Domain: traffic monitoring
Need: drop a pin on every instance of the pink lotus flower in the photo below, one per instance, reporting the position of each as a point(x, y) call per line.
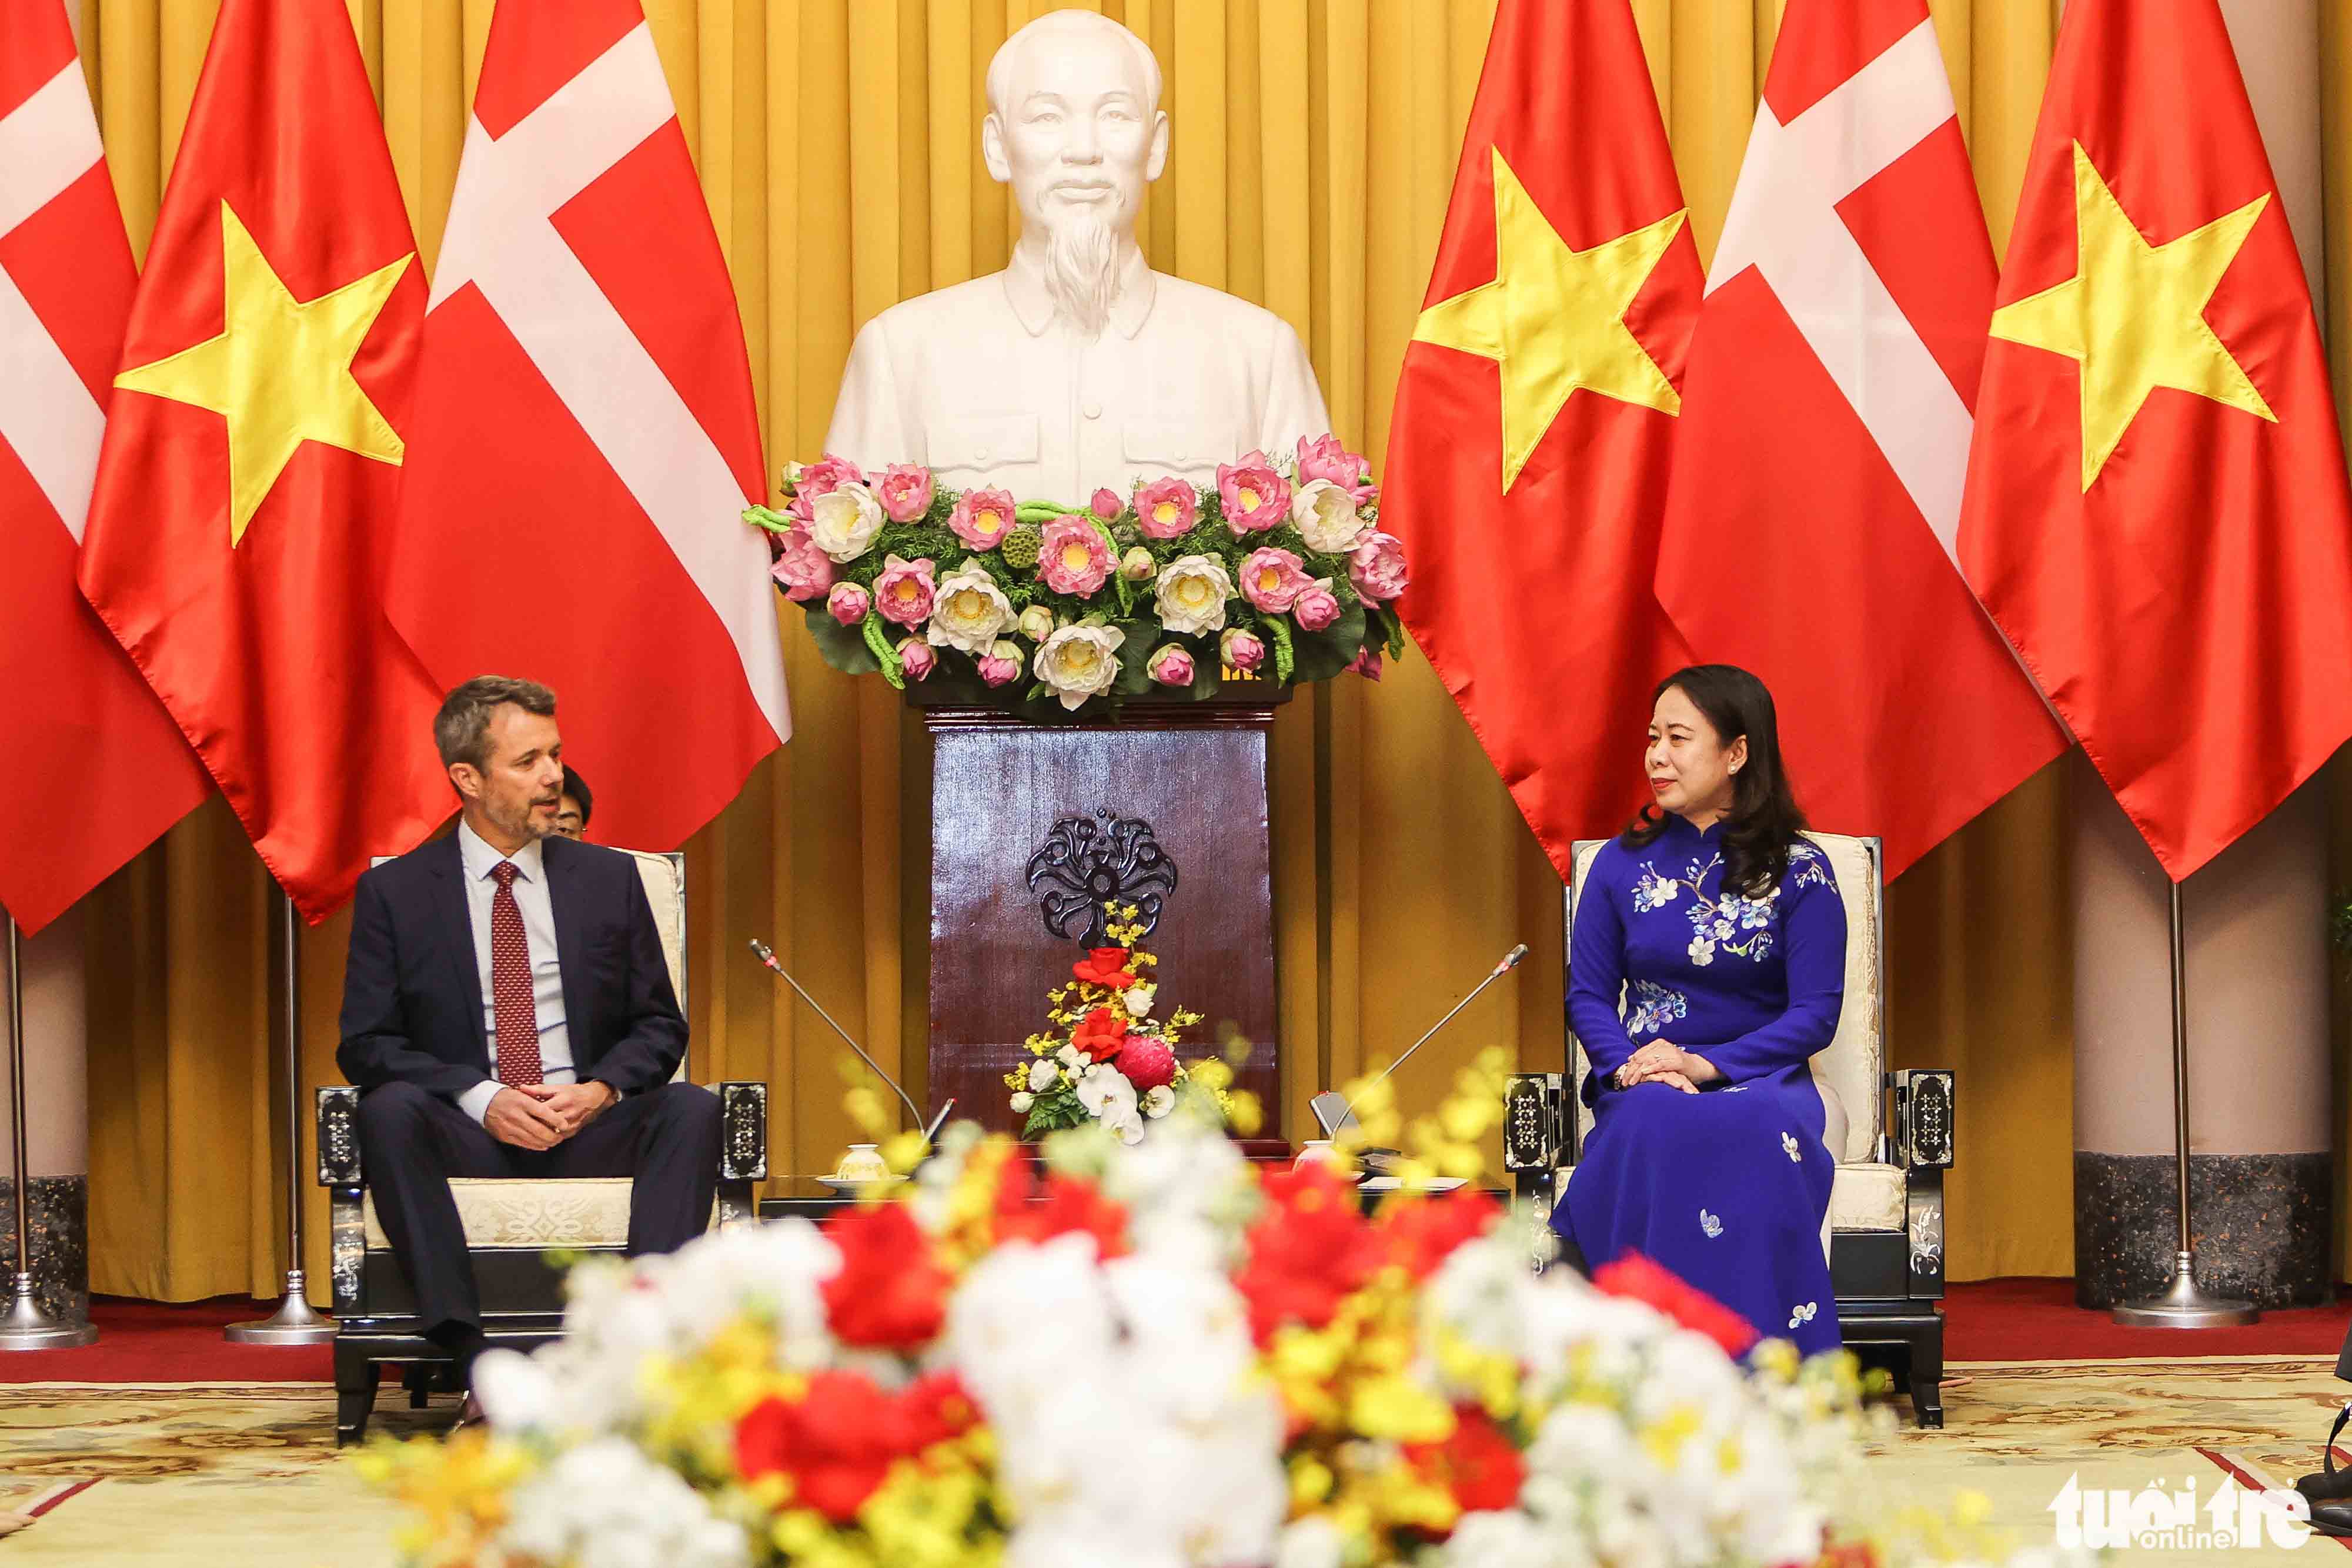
point(915, 659)
point(1166, 507)
point(1146, 1062)
point(982, 517)
point(1255, 497)
point(1106, 505)
point(1317, 607)
point(905, 492)
point(904, 592)
point(1324, 458)
point(1171, 665)
point(1000, 664)
point(1242, 650)
point(849, 603)
point(1367, 661)
point(805, 570)
point(1073, 558)
point(828, 473)
point(1377, 567)
point(1270, 579)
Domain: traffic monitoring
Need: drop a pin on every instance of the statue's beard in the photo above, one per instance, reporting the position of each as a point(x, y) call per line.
point(1082, 270)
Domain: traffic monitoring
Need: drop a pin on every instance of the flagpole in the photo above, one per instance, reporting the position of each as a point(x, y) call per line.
point(294, 1323)
point(27, 1326)
point(2183, 1305)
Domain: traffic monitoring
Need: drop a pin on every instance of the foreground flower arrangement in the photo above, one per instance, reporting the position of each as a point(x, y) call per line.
point(1106, 1058)
point(1278, 574)
point(1153, 1356)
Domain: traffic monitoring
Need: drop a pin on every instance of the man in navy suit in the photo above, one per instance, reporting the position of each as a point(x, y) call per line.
point(508, 1012)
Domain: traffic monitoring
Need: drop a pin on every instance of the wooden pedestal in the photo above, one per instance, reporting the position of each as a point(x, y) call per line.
point(1166, 809)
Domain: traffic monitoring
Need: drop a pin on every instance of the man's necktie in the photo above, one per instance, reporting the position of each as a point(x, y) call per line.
point(514, 1001)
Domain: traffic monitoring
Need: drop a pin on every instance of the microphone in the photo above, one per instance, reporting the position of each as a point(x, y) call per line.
point(1331, 1125)
point(767, 958)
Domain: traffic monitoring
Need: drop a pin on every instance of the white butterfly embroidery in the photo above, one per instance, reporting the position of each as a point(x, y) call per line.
point(1803, 1314)
point(1710, 1223)
point(1790, 1146)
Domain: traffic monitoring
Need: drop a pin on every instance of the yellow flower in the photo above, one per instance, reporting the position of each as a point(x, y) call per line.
point(1400, 1410)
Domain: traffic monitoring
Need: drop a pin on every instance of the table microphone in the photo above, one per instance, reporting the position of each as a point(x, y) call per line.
point(767, 958)
point(1348, 1110)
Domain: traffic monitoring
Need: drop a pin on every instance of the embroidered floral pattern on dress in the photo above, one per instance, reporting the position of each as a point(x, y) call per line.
point(1738, 925)
point(1804, 1314)
point(1654, 1007)
point(1710, 1223)
point(1811, 868)
point(1655, 890)
point(1789, 1146)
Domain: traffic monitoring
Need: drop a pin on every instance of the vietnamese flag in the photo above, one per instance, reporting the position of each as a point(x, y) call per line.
point(1527, 457)
point(253, 453)
point(2157, 510)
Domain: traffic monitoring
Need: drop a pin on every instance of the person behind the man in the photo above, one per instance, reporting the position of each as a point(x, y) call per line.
point(508, 1012)
point(575, 806)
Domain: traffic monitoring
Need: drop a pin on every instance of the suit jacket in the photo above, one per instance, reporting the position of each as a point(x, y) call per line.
point(412, 990)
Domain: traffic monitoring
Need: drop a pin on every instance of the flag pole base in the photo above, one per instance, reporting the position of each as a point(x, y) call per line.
point(293, 1324)
point(2184, 1306)
point(27, 1327)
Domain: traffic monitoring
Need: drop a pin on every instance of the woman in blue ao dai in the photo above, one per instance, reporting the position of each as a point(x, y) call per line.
point(1705, 968)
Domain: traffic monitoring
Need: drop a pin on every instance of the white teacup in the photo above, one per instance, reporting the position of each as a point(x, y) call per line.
point(1318, 1152)
point(864, 1162)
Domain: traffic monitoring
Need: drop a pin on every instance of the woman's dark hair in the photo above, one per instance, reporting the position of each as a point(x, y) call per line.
point(1763, 821)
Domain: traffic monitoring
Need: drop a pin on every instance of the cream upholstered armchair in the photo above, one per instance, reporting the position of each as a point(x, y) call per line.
point(1885, 1238)
point(512, 1226)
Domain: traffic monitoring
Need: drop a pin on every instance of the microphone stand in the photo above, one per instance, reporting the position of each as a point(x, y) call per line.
point(1510, 961)
point(767, 958)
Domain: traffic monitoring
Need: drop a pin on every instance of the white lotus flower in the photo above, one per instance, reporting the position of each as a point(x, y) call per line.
point(1043, 1074)
point(844, 520)
point(968, 610)
point(1191, 594)
point(1326, 515)
point(1079, 662)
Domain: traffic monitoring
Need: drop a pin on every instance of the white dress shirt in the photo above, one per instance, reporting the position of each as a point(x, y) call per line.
point(987, 383)
point(546, 973)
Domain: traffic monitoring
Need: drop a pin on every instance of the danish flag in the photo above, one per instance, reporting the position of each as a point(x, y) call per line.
point(586, 439)
point(91, 767)
point(1812, 517)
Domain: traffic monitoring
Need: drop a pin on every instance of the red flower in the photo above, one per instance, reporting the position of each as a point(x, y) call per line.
point(1310, 1249)
point(1105, 967)
point(1147, 1062)
point(836, 1442)
point(1422, 1232)
point(1101, 1034)
point(1479, 1464)
point(1062, 1205)
point(936, 1408)
point(1637, 1279)
point(891, 1293)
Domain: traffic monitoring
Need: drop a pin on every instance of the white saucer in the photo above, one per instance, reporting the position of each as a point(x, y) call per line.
point(852, 1186)
point(1391, 1184)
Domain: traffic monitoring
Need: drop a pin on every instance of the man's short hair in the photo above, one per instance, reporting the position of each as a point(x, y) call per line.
point(462, 728)
point(1000, 65)
point(577, 788)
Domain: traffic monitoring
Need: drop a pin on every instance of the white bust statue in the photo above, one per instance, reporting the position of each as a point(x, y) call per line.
point(1077, 366)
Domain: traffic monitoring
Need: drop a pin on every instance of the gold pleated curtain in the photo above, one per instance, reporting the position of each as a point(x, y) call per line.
point(1314, 142)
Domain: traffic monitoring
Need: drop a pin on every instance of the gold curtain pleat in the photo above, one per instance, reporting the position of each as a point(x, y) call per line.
point(1313, 147)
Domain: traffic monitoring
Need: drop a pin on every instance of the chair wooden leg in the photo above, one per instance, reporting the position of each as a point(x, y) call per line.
point(355, 1384)
point(1928, 1375)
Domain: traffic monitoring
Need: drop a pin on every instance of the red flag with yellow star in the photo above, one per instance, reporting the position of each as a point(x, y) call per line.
point(253, 451)
point(1526, 460)
point(2157, 509)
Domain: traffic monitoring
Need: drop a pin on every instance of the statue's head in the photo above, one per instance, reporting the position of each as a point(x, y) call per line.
point(1075, 127)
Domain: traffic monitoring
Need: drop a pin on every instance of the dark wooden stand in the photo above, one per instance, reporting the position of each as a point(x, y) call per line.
point(1033, 823)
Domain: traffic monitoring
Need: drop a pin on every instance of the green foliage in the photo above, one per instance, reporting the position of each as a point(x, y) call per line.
point(844, 647)
point(1053, 1110)
point(886, 657)
point(1323, 654)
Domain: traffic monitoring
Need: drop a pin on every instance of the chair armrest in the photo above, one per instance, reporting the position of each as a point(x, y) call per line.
point(743, 1129)
point(339, 1135)
point(1923, 1118)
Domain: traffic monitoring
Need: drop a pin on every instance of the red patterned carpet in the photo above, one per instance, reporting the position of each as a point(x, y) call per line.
point(1991, 1319)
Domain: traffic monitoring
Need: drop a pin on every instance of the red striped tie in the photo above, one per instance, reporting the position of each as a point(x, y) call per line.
point(515, 1004)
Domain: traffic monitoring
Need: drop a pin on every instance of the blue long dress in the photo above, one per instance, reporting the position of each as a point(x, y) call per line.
point(1726, 1188)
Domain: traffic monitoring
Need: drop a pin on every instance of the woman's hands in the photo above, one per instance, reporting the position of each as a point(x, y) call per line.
point(1667, 1063)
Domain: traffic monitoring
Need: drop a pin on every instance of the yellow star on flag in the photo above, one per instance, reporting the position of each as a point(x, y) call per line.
point(1554, 319)
point(280, 370)
point(2134, 315)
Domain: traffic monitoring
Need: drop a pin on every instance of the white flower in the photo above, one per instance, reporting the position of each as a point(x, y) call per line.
point(1789, 1146)
point(844, 520)
point(1128, 1126)
point(1068, 1056)
point(1702, 951)
point(1326, 515)
point(1710, 1223)
point(1311, 1542)
point(1191, 594)
point(1079, 662)
point(605, 1505)
point(1159, 1102)
point(1105, 1093)
point(1043, 1074)
point(1138, 1000)
point(1022, 1102)
point(968, 610)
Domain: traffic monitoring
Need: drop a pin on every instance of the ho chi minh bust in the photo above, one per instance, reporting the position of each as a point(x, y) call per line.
point(1077, 366)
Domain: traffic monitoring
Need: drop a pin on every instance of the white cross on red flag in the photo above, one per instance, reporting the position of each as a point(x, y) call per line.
point(91, 767)
point(1826, 417)
point(586, 438)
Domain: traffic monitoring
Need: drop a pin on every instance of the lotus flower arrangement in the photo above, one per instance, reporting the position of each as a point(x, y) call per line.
point(1157, 1355)
point(1278, 574)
